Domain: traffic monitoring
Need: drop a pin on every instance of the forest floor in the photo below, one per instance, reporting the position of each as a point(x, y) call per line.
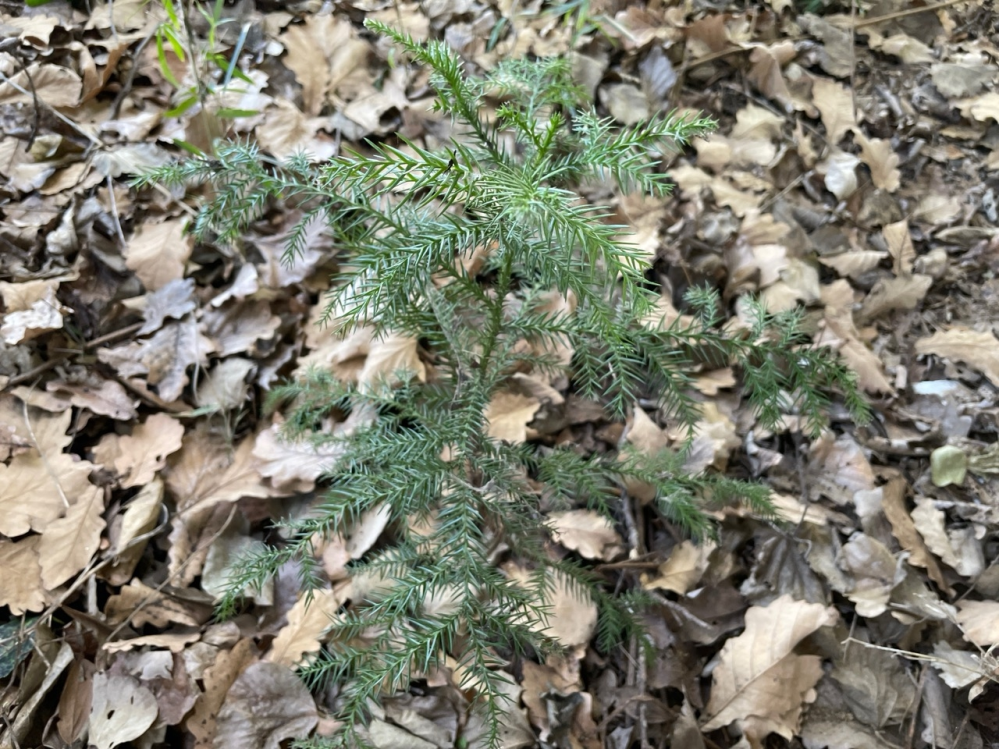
point(854, 173)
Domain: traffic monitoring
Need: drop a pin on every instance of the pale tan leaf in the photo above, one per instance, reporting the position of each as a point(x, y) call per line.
point(313, 246)
point(217, 678)
point(908, 50)
point(714, 439)
point(367, 530)
point(906, 531)
point(53, 84)
point(586, 531)
point(508, 415)
point(391, 360)
point(741, 202)
point(753, 121)
point(307, 623)
point(686, 565)
point(711, 382)
point(295, 463)
point(644, 434)
point(68, 543)
point(104, 397)
point(936, 208)
point(18, 297)
point(225, 388)
point(141, 454)
point(979, 622)
point(822, 732)
point(841, 333)
point(322, 53)
point(286, 131)
point(854, 264)
point(571, 615)
point(75, 701)
point(266, 705)
point(21, 583)
point(171, 641)
point(205, 472)
point(35, 491)
point(45, 314)
point(139, 605)
point(23, 173)
point(765, 73)
point(759, 676)
point(835, 103)
point(626, 103)
point(882, 161)
point(875, 574)
point(158, 252)
point(125, 15)
point(958, 668)
point(899, 244)
point(960, 79)
point(571, 619)
point(224, 553)
point(978, 350)
point(957, 547)
point(904, 292)
point(982, 108)
point(121, 711)
point(140, 516)
point(45, 430)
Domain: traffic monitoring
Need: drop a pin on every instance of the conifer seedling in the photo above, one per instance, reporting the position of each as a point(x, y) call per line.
point(461, 501)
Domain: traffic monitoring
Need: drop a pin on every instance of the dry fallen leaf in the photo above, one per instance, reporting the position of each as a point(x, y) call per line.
point(30, 319)
point(217, 678)
point(954, 547)
point(979, 622)
point(875, 685)
point(35, 490)
point(55, 85)
point(882, 161)
point(205, 473)
point(136, 457)
point(164, 358)
point(899, 244)
point(760, 682)
point(308, 621)
point(140, 516)
point(508, 415)
point(976, 349)
point(686, 565)
point(121, 711)
point(835, 103)
point(958, 668)
point(586, 531)
point(21, 587)
point(322, 53)
point(266, 705)
point(68, 543)
point(157, 253)
point(571, 619)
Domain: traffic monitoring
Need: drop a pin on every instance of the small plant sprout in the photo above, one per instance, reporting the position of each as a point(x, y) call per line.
point(487, 254)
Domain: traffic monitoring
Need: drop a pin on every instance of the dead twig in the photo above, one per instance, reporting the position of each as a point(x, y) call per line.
point(904, 13)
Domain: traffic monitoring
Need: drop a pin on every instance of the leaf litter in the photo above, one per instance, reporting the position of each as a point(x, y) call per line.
point(853, 173)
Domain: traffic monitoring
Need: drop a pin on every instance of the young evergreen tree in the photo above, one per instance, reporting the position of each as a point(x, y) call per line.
point(403, 219)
